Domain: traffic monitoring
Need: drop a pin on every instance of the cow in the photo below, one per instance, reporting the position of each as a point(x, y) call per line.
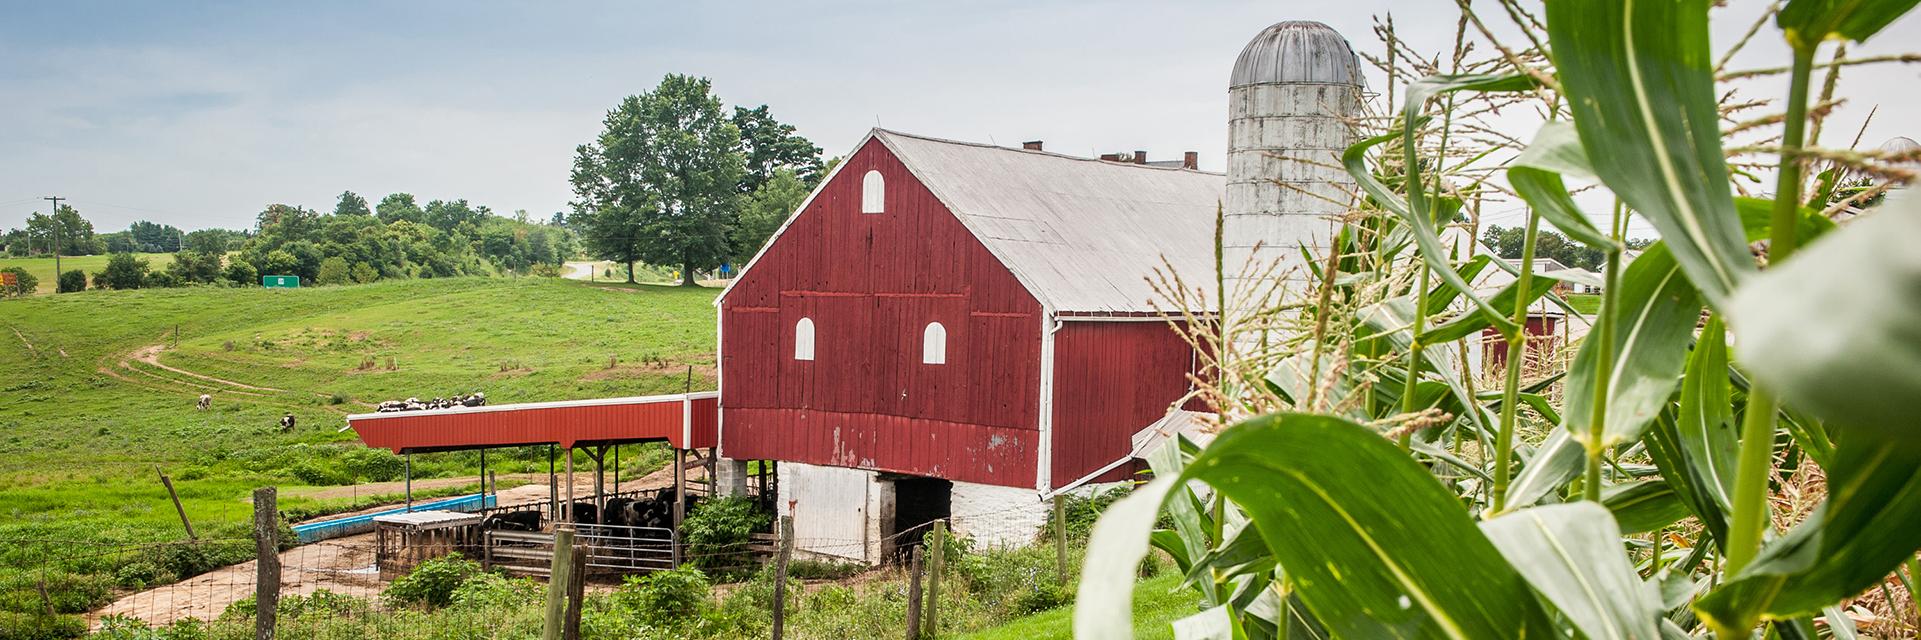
point(205, 403)
point(513, 521)
point(286, 423)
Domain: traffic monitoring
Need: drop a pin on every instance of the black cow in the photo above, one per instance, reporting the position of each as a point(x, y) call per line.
point(513, 521)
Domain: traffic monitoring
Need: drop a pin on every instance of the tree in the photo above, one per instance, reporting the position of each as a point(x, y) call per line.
point(18, 243)
point(661, 181)
point(214, 241)
point(364, 273)
point(242, 274)
point(123, 272)
point(333, 271)
point(397, 207)
point(23, 283)
point(769, 145)
point(351, 204)
point(455, 215)
point(195, 266)
point(70, 281)
point(764, 210)
point(150, 237)
point(75, 234)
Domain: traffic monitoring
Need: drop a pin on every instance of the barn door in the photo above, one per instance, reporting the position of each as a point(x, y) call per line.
point(830, 511)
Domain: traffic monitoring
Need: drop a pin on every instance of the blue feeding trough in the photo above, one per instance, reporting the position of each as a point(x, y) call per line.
point(316, 531)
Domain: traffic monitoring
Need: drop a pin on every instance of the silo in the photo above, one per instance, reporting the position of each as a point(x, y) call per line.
point(1290, 98)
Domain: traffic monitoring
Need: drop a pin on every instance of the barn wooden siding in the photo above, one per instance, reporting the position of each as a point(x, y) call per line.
point(870, 283)
point(687, 421)
point(1112, 379)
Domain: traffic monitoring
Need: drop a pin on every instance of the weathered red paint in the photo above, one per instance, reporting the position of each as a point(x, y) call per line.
point(871, 283)
point(1111, 379)
point(1540, 342)
point(563, 424)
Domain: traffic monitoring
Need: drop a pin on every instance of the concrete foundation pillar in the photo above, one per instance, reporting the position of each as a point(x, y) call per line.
point(730, 477)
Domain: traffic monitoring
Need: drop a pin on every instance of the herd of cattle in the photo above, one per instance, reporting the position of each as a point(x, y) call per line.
point(656, 512)
point(475, 399)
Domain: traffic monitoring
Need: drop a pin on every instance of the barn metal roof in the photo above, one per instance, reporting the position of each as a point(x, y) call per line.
point(1083, 235)
point(685, 420)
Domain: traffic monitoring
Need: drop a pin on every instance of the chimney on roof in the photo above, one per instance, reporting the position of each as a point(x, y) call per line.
point(1111, 157)
point(1191, 160)
point(1140, 157)
point(1031, 145)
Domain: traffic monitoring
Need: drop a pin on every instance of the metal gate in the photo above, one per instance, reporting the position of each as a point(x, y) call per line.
point(611, 550)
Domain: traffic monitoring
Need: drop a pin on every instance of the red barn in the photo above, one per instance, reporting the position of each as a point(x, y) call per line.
point(948, 329)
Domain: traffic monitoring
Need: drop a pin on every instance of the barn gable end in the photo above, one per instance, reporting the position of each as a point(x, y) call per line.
point(870, 284)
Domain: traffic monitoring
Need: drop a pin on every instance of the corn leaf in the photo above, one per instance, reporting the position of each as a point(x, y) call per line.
point(1537, 173)
point(1808, 22)
point(1639, 79)
point(1114, 551)
point(1655, 318)
point(1870, 524)
point(1372, 543)
point(1837, 330)
point(1663, 442)
point(1644, 506)
point(1555, 462)
point(1571, 554)
point(1705, 423)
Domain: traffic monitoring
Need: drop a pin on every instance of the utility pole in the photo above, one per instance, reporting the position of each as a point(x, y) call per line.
point(56, 237)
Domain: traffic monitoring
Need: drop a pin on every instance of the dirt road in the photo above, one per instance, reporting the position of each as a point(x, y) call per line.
point(342, 565)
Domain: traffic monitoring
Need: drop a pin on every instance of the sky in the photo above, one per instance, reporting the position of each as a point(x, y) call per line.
point(201, 114)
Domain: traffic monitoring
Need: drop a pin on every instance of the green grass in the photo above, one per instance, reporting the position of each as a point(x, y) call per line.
point(1586, 303)
point(1158, 602)
point(42, 268)
point(82, 428)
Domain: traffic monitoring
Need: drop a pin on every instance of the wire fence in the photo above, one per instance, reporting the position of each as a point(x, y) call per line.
point(207, 587)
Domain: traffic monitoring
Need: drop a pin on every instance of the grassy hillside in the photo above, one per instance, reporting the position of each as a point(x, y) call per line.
point(42, 268)
point(98, 393)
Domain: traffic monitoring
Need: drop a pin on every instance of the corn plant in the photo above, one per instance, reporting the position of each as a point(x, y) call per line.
point(1363, 486)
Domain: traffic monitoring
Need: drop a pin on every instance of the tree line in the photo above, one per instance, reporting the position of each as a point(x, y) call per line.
point(674, 178)
point(1507, 242)
point(355, 243)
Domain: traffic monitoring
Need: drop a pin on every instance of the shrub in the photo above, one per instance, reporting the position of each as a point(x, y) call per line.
point(162, 280)
point(27, 626)
point(433, 582)
point(821, 569)
point(323, 603)
point(333, 271)
point(494, 591)
point(319, 474)
point(1038, 596)
point(23, 283)
point(718, 530)
point(363, 273)
point(373, 465)
point(242, 274)
point(664, 598)
point(71, 280)
point(123, 272)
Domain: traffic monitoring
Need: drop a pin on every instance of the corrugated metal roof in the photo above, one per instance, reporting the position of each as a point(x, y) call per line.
point(1083, 235)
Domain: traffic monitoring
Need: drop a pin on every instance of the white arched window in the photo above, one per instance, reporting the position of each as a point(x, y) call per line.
point(933, 344)
point(873, 193)
point(804, 339)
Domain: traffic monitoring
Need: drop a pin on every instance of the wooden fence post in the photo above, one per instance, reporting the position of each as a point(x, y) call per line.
point(266, 591)
point(780, 573)
point(913, 595)
point(1060, 540)
point(560, 571)
point(931, 621)
point(168, 482)
point(576, 591)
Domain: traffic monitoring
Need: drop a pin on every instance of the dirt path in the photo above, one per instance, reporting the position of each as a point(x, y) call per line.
point(23, 340)
point(150, 355)
point(342, 565)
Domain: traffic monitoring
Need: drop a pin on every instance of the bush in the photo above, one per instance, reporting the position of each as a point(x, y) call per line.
point(494, 591)
point(717, 532)
point(242, 274)
point(123, 272)
point(1040, 596)
point(821, 569)
point(27, 626)
point(433, 582)
point(23, 283)
point(372, 465)
point(72, 280)
point(363, 273)
point(323, 603)
point(333, 271)
point(162, 280)
point(664, 598)
point(320, 475)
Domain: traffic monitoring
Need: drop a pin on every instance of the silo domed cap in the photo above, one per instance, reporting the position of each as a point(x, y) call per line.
point(1297, 51)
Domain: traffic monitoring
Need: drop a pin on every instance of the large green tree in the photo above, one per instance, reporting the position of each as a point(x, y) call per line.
point(763, 211)
point(661, 181)
point(397, 207)
point(351, 204)
point(769, 145)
